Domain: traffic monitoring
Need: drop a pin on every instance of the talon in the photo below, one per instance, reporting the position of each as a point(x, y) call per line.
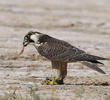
point(59, 81)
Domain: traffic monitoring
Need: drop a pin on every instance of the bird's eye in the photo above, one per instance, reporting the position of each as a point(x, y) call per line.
point(26, 37)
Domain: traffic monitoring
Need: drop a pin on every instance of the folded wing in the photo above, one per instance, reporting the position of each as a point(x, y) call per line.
point(64, 52)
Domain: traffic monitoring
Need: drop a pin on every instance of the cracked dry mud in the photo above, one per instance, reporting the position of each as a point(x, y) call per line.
point(83, 23)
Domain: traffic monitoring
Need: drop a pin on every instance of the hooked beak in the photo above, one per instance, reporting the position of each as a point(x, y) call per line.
point(25, 43)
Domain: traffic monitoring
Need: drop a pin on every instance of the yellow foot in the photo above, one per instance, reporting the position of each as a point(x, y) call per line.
point(49, 81)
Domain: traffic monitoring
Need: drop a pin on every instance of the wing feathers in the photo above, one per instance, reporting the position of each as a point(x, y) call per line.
point(58, 50)
point(88, 57)
point(95, 61)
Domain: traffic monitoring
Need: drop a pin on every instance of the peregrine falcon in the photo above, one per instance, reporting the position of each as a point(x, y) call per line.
point(59, 52)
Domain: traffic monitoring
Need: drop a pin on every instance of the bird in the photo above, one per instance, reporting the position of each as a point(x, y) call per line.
point(60, 53)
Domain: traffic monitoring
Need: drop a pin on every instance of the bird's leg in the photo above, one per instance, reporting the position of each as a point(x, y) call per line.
point(55, 73)
point(61, 72)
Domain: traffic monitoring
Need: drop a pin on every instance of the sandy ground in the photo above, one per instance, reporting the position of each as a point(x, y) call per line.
point(83, 23)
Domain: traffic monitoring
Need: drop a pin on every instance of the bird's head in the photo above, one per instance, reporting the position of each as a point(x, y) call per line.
point(32, 37)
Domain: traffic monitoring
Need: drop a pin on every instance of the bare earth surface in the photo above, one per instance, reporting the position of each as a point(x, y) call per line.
point(83, 23)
